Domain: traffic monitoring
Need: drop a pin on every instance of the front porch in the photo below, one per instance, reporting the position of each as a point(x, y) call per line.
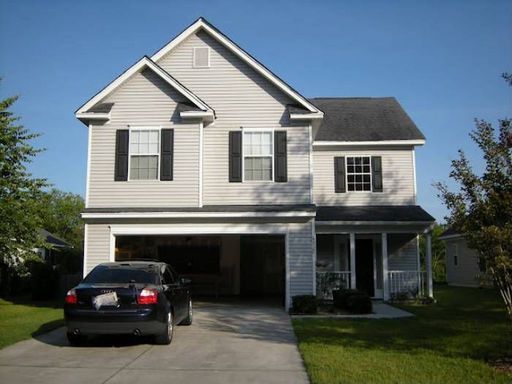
point(380, 257)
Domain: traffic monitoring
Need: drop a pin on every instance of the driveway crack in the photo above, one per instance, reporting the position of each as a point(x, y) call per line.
point(127, 364)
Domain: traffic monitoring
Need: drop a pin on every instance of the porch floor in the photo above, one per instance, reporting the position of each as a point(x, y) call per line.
point(380, 311)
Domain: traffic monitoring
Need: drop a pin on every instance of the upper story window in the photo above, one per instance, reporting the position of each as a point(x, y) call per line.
point(359, 173)
point(201, 57)
point(144, 154)
point(258, 155)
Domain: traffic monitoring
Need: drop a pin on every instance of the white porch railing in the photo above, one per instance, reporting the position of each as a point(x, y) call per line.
point(407, 283)
point(326, 282)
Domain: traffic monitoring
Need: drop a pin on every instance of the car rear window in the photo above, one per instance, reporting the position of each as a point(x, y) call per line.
point(121, 275)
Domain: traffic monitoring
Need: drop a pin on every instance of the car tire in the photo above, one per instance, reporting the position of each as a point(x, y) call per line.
point(165, 338)
point(190, 315)
point(76, 340)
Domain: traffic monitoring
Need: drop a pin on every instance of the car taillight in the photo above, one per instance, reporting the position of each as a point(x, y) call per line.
point(147, 296)
point(71, 297)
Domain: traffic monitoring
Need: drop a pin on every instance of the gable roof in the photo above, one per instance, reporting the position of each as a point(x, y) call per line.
point(53, 240)
point(89, 109)
point(365, 119)
point(203, 24)
point(450, 233)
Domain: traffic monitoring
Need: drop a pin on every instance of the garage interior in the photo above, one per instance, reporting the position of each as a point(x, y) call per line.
point(247, 266)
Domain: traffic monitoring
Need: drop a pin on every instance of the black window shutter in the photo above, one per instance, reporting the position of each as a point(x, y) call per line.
point(280, 157)
point(121, 156)
point(377, 173)
point(339, 175)
point(235, 157)
point(166, 154)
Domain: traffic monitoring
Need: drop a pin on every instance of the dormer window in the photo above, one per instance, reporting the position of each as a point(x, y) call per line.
point(201, 57)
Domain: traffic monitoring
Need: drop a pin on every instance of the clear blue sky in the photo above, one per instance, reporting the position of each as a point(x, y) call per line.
point(441, 59)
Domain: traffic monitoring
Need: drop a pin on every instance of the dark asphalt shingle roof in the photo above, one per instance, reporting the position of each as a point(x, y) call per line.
point(374, 213)
point(52, 239)
point(102, 108)
point(364, 119)
point(187, 107)
point(449, 232)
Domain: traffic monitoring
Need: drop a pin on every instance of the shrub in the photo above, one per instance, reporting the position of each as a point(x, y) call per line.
point(305, 304)
point(44, 280)
point(359, 303)
point(340, 297)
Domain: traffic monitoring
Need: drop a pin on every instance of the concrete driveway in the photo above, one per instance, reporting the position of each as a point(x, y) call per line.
point(228, 343)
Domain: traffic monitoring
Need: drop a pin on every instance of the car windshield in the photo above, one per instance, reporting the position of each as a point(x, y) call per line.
point(120, 275)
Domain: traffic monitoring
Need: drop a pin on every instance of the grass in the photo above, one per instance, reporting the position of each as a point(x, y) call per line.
point(451, 341)
point(21, 319)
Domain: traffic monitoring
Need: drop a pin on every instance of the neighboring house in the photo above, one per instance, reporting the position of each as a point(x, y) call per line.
point(53, 245)
point(200, 156)
point(462, 262)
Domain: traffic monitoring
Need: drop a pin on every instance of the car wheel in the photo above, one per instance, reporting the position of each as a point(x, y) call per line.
point(76, 340)
point(166, 337)
point(188, 319)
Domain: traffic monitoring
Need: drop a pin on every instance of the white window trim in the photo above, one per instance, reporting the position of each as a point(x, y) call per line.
point(455, 255)
point(194, 58)
point(261, 130)
point(346, 173)
point(145, 128)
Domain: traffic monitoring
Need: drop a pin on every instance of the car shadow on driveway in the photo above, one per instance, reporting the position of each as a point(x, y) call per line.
point(57, 337)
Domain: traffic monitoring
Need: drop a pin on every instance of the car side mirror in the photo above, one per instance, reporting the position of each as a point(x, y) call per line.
point(185, 281)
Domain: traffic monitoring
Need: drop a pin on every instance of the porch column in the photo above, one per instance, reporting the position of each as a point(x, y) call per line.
point(430, 285)
point(352, 260)
point(385, 274)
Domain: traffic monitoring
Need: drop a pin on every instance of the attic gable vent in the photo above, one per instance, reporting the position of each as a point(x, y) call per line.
point(201, 57)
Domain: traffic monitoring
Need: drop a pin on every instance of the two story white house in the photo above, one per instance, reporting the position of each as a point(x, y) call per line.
point(200, 156)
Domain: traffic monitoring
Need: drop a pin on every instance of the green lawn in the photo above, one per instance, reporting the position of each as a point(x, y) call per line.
point(448, 342)
point(22, 319)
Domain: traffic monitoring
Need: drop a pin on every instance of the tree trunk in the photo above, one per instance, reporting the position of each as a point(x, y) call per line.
point(503, 279)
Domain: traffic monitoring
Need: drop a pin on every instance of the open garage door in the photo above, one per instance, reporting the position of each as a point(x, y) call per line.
point(248, 266)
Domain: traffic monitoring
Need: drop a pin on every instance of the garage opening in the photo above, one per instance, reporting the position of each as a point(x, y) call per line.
point(246, 266)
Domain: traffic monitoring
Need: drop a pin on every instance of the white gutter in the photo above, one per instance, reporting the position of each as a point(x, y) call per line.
point(362, 143)
point(200, 215)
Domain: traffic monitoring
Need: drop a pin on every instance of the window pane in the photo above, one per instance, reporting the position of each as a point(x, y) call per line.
point(144, 142)
point(258, 168)
point(144, 167)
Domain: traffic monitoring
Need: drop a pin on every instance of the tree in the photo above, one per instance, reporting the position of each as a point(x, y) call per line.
point(19, 192)
point(482, 207)
point(61, 216)
point(438, 253)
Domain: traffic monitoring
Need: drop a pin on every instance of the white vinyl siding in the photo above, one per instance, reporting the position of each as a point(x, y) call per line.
point(241, 98)
point(467, 270)
point(403, 252)
point(97, 246)
point(145, 100)
point(397, 177)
